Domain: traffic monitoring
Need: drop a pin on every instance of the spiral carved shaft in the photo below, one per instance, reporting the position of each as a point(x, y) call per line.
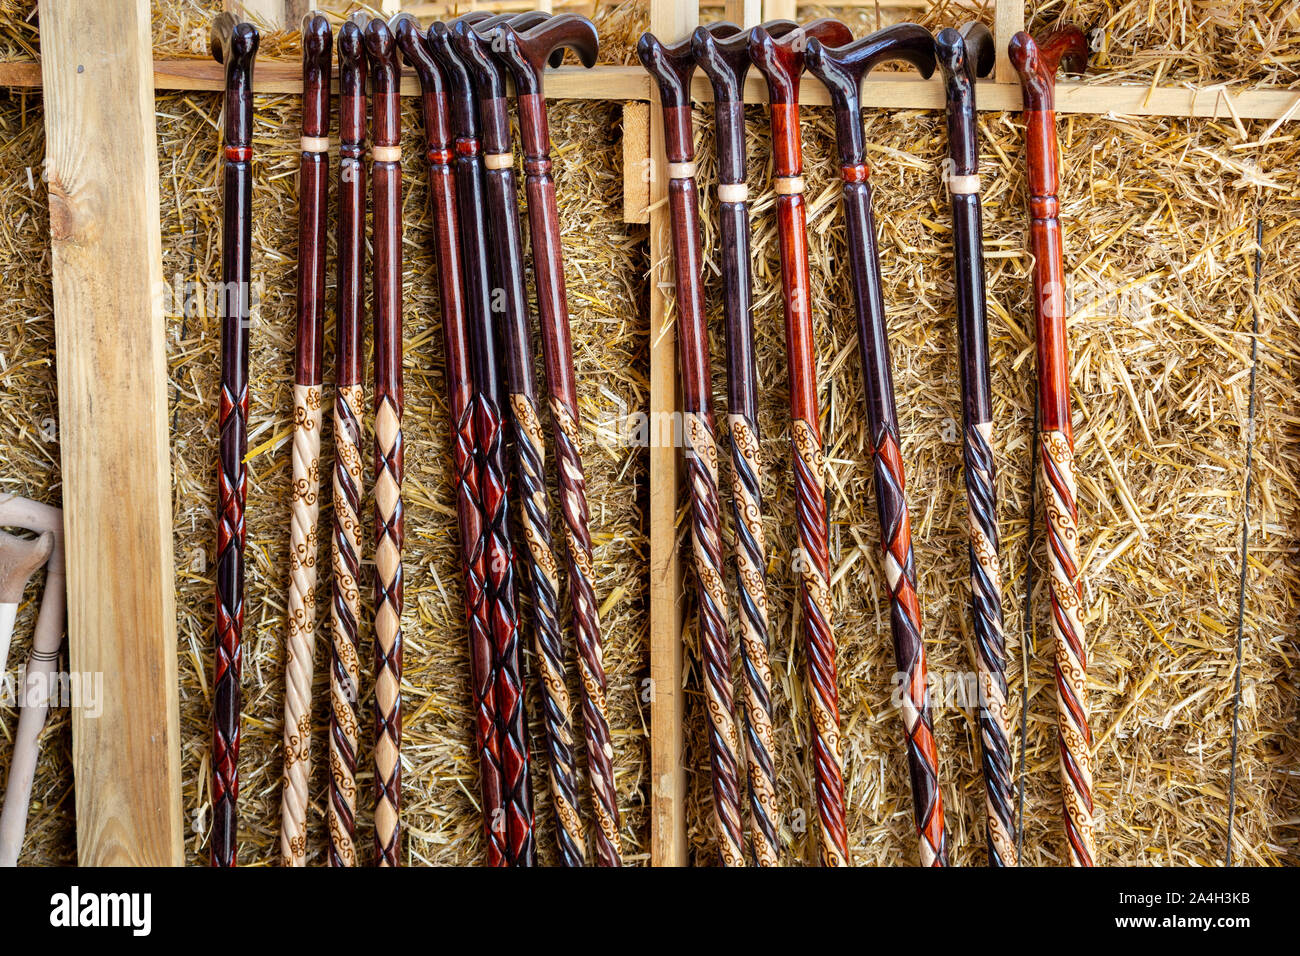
point(751, 564)
point(586, 625)
point(345, 665)
point(986, 601)
point(1071, 652)
point(530, 452)
point(305, 513)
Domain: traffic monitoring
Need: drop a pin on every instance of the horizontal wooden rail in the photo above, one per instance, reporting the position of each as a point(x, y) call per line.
point(902, 92)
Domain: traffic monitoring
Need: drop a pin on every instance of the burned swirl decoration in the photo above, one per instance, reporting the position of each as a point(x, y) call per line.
point(235, 45)
point(526, 55)
point(781, 62)
point(386, 177)
point(300, 643)
point(345, 542)
point(963, 56)
point(671, 67)
point(1037, 64)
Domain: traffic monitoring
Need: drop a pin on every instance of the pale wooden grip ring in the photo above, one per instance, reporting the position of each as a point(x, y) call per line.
point(386, 154)
point(964, 185)
point(733, 192)
point(681, 170)
point(788, 185)
point(315, 144)
point(498, 160)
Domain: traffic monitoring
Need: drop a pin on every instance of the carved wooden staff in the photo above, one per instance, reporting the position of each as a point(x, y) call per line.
point(1037, 62)
point(842, 71)
point(672, 66)
point(962, 57)
point(386, 198)
point(726, 61)
point(20, 558)
point(300, 643)
point(781, 63)
point(235, 45)
point(349, 393)
point(526, 55)
point(542, 579)
point(47, 637)
point(516, 821)
point(460, 405)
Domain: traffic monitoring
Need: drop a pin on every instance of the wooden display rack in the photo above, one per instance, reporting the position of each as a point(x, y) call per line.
point(112, 381)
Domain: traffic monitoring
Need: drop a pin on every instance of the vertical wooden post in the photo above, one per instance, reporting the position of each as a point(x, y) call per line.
point(780, 10)
point(670, 21)
point(1008, 20)
point(102, 163)
point(747, 13)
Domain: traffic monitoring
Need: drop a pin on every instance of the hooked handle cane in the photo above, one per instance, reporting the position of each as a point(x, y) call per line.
point(963, 56)
point(1037, 64)
point(781, 62)
point(300, 640)
point(671, 66)
point(234, 44)
point(842, 71)
point(525, 55)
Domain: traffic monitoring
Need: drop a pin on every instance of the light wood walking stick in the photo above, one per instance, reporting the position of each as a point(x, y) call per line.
point(20, 558)
point(300, 642)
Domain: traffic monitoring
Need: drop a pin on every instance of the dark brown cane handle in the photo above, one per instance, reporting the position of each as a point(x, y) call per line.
point(527, 51)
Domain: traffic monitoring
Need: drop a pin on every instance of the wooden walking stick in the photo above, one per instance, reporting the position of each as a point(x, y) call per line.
point(460, 404)
point(349, 393)
point(386, 198)
point(235, 45)
point(516, 820)
point(962, 57)
point(1037, 62)
point(20, 558)
point(726, 61)
point(842, 71)
point(47, 637)
point(526, 54)
point(542, 579)
point(300, 643)
point(672, 66)
point(781, 63)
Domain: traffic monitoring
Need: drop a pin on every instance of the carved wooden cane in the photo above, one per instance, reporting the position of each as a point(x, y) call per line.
point(542, 579)
point(781, 63)
point(235, 45)
point(726, 61)
point(386, 199)
point(1037, 62)
point(349, 393)
point(842, 71)
point(672, 66)
point(526, 55)
point(47, 637)
point(20, 558)
point(300, 643)
point(516, 822)
point(962, 57)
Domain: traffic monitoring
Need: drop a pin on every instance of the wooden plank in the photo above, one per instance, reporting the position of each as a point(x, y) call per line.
point(669, 20)
point(1008, 20)
point(106, 243)
point(780, 10)
point(747, 13)
point(903, 92)
point(636, 162)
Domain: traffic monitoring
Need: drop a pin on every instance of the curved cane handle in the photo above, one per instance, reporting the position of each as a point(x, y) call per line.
point(671, 64)
point(526, 51)
point(1038, 60)
point(725, 59)
point(317, 40)
point(781, 61)
point(410, 40)
point(963, 55)
point(234, 45)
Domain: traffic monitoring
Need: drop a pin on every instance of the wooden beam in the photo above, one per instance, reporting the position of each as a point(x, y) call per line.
point(747, 13)
point(780, 10)
point(102, 161)
point(669, 20)
point(1008, 20)
point(636, 161)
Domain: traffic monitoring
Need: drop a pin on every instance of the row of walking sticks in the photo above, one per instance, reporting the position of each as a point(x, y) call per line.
point(781, 50)
point(462, 67)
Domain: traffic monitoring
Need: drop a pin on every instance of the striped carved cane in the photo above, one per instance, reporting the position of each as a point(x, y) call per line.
point(842, 71)
point(460, 405)
point(1037, 62)
point(782, 64)
point(962, 57)
point(300, 644)
point(526, 55)
point(345, 543)
point(235, 45)
point(672, 66)
point(516, 819)
point(386, 198)
point(542, 579)
point(726, 61)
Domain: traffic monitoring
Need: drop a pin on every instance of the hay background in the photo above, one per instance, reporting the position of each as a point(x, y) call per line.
point(1163, 208)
